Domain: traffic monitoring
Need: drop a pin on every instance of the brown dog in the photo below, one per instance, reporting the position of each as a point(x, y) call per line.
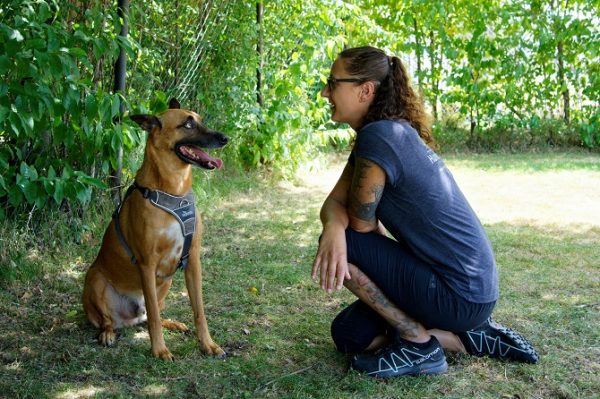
point(151, 234)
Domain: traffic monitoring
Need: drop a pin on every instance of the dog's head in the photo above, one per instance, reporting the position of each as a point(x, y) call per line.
point(182, 132)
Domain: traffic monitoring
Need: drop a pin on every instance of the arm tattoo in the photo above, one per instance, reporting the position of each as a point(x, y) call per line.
point(364, 195)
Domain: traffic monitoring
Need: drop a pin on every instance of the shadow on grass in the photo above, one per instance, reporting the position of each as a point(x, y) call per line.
point(274, 322)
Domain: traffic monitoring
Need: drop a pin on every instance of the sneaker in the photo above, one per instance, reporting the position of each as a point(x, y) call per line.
point(494, 340)
point(403, 358)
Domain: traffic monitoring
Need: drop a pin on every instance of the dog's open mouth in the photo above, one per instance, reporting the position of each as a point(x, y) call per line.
point(193, 154)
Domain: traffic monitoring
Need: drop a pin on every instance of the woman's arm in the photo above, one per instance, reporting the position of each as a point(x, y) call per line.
point(365, 193)
point(352, 202)
point(334, 209)
point(331, 261)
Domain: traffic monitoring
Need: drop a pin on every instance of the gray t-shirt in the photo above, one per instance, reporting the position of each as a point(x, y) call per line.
point(423, 207)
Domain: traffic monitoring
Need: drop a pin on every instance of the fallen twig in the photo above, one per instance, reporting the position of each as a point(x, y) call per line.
point(284, 376)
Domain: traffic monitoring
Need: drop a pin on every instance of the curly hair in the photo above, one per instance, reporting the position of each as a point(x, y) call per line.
point(394, 98)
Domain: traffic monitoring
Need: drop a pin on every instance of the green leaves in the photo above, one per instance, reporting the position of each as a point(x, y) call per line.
point(495, 66)
point(53, 110)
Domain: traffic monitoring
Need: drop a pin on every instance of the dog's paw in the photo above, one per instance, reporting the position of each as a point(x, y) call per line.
point(107, 338)
point(174, 325)
point(164, 354)
point(212, 349)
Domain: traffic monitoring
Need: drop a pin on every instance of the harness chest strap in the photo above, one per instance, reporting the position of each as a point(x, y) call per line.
point(182, 208)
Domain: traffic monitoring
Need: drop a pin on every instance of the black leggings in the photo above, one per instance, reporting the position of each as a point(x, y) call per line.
point(408, 282)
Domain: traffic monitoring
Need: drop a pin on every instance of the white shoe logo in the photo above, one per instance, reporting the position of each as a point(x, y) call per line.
point(402, 360)
point(491, 343)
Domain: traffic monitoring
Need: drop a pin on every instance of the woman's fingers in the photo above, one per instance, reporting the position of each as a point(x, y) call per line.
point(323, 277)
point(315, 267)
point(342, 273)
point(340, 277)
point(331, 275)
point(331, 269)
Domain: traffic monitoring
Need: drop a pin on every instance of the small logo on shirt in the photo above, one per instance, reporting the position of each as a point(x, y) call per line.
point(433, 157)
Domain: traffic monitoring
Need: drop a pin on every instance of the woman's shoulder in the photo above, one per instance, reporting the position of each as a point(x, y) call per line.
point(395, 129)
point(388, 124)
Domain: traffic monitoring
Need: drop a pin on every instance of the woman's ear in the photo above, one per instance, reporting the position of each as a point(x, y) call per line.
point(367, 91)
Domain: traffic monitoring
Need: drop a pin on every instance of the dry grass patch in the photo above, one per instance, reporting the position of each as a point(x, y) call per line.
point(263, 308)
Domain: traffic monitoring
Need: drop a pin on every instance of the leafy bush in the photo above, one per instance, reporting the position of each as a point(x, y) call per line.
point(56, 130)
point(509, 134)
point(279, 133)
point(589, 129)
point(59, 131)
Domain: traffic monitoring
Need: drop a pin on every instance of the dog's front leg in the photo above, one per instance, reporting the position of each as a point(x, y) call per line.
point(157, 341)
point(193, 282)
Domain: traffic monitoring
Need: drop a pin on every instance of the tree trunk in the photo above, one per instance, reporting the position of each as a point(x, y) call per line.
point(120, 69)
point(259, 53)
point(418, 53)
point(177, 49)
point(434, 79)
point(563, 82)
point(473, 125)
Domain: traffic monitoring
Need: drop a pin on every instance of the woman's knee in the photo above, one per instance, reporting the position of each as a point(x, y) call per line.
point(347, 339)
point(355, 328)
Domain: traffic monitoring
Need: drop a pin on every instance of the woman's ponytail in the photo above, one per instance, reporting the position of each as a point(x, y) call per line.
point(409, 104)
point(395, 97)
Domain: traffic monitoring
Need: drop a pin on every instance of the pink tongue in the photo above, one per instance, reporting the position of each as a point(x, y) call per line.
point(199, 155)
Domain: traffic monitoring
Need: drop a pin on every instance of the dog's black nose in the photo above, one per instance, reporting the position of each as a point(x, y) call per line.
point(222, 139)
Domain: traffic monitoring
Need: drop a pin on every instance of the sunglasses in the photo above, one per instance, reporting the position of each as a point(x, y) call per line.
point(331, 81)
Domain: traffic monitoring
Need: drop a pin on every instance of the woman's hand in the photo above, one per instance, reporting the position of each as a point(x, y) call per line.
point(331, 259)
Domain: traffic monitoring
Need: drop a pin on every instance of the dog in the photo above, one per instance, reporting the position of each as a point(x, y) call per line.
point(155, 231)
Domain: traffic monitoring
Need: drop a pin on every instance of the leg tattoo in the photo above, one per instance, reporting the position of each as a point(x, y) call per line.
point(362, 286)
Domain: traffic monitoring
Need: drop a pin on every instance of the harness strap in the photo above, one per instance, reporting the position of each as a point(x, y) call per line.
point(120, 236)
point(182, 208)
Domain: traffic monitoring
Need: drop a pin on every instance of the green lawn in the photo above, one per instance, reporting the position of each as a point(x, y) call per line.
point(264, 309)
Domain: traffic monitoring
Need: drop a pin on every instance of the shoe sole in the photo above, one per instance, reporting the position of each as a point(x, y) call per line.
point(526, 352)
point(437, 368)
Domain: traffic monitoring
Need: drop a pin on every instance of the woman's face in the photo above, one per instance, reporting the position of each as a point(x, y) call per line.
point(348, 101)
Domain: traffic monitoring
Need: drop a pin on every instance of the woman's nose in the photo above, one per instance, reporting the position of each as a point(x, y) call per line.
point(325, 92)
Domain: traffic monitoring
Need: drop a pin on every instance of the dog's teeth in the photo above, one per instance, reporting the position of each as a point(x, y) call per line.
point(189, 153)
point(196, 154)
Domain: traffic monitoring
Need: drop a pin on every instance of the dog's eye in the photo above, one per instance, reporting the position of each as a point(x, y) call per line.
point(188, 125)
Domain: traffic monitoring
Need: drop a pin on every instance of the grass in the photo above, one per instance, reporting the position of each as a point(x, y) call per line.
point(574, 160)
point(265, 311)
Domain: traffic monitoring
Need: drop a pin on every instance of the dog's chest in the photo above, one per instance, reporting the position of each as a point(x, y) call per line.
point(170, 247)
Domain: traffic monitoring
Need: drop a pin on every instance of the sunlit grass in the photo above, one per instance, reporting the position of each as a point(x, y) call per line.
point(529, 162)
point(272, 319)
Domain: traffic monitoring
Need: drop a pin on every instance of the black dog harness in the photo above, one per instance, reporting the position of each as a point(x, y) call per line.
point(182, 208)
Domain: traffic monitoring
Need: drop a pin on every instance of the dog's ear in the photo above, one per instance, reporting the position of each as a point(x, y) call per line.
point(147, 122)
point(174, 104)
